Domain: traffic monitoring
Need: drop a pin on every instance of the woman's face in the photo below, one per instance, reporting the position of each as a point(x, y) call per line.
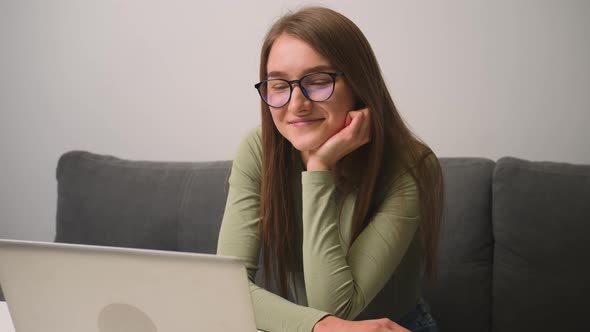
point(306, 124)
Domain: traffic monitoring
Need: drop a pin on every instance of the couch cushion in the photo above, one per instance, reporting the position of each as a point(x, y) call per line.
point(460, 297)
point(104, 200)
point(541, 222)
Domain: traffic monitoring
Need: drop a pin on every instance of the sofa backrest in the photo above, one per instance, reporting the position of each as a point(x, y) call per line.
point(541, 227)
point(104, 200)
point(460, 295)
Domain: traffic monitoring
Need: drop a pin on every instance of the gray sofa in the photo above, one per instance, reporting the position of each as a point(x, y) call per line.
point(514, 253)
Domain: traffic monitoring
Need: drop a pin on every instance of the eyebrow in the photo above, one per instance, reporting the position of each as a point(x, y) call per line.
point(276, 73)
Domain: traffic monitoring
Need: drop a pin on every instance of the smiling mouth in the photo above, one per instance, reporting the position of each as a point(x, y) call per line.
point(300, 123)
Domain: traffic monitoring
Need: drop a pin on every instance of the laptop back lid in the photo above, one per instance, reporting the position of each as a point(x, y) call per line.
point(64, 287)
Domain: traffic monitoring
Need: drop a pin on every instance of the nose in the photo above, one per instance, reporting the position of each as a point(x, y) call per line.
point(298, 102)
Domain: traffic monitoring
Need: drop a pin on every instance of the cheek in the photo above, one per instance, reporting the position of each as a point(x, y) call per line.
point(341, 109)
point(343, 103)
point(277, 118)
point(346, 96)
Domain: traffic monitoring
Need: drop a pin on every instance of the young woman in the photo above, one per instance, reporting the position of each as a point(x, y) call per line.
point(340, 200)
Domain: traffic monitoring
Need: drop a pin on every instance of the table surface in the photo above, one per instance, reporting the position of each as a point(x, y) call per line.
point(5, 320)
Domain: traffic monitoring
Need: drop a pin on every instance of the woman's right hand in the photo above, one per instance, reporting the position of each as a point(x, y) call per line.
point(335, 324)
point(356, 133)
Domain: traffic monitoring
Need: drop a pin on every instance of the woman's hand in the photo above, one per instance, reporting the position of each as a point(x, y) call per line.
point(335, 324)
point(356, 132)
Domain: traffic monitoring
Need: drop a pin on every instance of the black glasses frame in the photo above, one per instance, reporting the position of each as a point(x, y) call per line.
point(298, 82)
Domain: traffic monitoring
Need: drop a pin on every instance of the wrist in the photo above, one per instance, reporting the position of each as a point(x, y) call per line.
point(317, 165)
point(324, 324)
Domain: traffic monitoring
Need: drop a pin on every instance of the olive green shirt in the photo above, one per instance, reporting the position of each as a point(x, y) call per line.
point(376, 276)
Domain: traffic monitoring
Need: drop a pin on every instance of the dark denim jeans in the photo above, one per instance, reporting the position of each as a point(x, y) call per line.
point(420, 319)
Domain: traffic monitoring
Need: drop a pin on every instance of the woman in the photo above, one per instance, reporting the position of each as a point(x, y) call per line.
point(341, 200)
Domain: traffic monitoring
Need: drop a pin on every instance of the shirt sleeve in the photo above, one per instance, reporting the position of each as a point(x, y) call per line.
point(344, 283)
point(239, 237)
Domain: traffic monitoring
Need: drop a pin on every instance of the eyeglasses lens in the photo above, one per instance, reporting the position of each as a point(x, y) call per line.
point(318, 86)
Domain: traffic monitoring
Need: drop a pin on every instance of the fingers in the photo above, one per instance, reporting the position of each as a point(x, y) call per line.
point(348, 120)
point(360, 125)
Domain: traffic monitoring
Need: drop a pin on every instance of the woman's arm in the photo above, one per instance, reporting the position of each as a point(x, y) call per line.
point(239, 237)
point(340, 282)
point(345, 283)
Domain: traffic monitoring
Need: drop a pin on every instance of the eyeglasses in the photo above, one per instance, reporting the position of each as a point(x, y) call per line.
point(318, 86)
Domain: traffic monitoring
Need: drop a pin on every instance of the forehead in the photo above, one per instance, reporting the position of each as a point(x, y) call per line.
point(293, 57)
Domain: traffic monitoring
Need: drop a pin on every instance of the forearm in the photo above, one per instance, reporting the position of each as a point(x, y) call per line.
point(274, 313)
point(329, 280)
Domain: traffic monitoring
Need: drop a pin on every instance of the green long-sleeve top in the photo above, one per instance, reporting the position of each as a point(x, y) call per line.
point(374, 277)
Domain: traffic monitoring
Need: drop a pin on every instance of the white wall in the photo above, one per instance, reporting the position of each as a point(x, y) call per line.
point(149, 80)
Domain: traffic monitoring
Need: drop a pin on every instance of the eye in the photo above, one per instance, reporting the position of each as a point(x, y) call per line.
point(278, 86)
point(320, 82)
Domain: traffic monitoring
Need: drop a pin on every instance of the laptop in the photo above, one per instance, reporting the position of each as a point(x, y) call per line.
point(55, 287)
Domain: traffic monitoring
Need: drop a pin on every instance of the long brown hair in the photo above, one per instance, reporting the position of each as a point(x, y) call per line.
point(341, 42)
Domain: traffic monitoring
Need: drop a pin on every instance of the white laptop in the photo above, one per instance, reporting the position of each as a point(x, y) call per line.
point(51, 287)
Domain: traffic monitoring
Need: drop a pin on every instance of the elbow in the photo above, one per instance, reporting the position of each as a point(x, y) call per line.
point(349, 310)
point(345, 312)
point(345, 304)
